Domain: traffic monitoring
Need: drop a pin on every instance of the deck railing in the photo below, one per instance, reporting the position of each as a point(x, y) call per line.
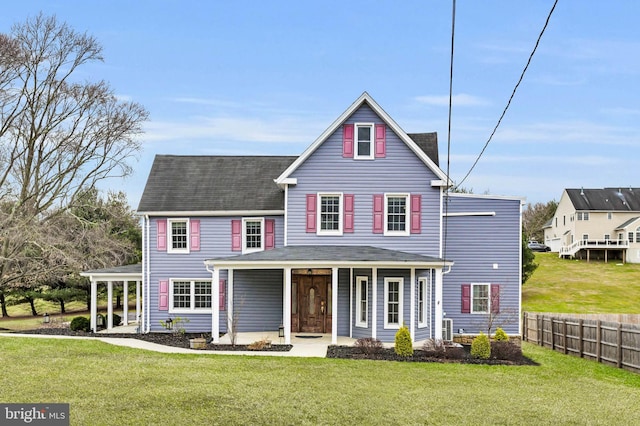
point(593, 244)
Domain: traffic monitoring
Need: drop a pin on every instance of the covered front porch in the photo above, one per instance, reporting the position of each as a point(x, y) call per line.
point(120, 275)
point(338, 291)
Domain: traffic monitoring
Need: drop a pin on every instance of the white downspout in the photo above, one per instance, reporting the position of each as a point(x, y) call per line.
point(146, 313)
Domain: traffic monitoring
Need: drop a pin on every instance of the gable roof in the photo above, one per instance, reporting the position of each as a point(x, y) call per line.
point(365, 98)
point(627, 223)
point(198, 184)
point(607, 199)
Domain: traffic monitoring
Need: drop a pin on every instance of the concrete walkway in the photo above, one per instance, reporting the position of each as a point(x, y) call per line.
point(303, 344)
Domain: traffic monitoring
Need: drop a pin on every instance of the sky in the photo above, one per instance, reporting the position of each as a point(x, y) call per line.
point(268, 77)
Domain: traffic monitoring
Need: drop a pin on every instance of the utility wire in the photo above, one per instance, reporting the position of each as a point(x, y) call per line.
point(504, 112)
point(446, 188)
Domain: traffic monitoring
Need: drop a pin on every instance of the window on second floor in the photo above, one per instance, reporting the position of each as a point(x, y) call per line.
point(585, 237)
point(253, 234)
point(396, 216)
point(330, 214)
point(609, 215)
point(637, 235)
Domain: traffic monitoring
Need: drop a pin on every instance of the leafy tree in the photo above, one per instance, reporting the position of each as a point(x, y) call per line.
point(535, 216)
point(58, 137)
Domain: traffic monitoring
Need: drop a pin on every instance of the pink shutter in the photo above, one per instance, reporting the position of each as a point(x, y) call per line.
point(223, 295)
point(195, 234)
point(380, 140)
point(466, 299)
point(495, 298)
point(269, 234)
point(347, 141)
point(236, 235)
point(378, 214)
point(347, 219)
point(163, 295)
point(311, 212)
point(161, 225)
point(416, 216)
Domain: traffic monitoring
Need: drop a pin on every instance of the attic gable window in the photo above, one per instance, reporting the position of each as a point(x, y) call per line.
point(364, 141)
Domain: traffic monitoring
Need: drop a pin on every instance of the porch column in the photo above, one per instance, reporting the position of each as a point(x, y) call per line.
point(412, 302)
point(438, 313)
point(94, 305)
point(286, 308)
point(351, 302)
point(230, 312)
point(138, 303)
point(215, 306)
point(109, 305)
point(334, 306)
point(374, 303)
point(125, 301)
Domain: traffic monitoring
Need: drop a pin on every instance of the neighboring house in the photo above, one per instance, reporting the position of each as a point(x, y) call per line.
point(601, 224)
point(355, 237)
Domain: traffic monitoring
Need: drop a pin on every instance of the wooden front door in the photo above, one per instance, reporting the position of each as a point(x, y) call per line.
point(313, 303)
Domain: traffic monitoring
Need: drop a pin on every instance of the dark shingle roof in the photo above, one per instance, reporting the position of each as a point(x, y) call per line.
point(188, 183)
point(607, 199)
point(428, 142)
point(330, 254)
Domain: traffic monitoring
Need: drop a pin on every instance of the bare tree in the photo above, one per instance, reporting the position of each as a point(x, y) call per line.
point(58, 137)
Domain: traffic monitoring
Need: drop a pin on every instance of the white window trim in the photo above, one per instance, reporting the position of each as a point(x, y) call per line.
point(192, 293)
point(427, 290)
point(372, 141)
point(407, 211)
point(244, 234)
point(388, 325)
point(488, 285)
point(170, 248)
point(319, 213)
point(360, 281)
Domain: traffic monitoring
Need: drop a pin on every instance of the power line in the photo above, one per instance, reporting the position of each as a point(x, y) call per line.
point(504, 112)
point(446, 188)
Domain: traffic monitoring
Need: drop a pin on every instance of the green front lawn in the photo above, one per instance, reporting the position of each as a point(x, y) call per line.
point(111, 385)
point(575, 286)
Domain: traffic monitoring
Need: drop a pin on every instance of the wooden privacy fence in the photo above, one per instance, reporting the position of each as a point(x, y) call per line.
point(608, 342)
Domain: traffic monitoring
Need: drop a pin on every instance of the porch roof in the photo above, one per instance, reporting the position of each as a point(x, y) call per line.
point(116, 273)
point(328, 256)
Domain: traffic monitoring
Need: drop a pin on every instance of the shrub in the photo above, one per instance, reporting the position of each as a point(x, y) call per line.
point(506, 351)
point(481, 347)
point(369, 345)
point(80, 324)
point(403, 346)
point(501, 336)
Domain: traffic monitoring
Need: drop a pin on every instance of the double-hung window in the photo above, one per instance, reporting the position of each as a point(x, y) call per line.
point(330, 214)
point(362, 301)
point(253, 234)
point(393, 302)
point(480, 298)
point(190, 295)
point(364, 141)
point(396, 214)
point(178, 236)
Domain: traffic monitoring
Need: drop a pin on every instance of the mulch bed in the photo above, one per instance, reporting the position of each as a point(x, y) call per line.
point(177, 340)
point(419, 355)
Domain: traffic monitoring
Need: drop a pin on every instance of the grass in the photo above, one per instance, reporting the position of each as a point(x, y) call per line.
point(575, 286)
point(106, 384)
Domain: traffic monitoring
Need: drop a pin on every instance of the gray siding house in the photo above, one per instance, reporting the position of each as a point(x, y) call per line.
point(355, 237)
